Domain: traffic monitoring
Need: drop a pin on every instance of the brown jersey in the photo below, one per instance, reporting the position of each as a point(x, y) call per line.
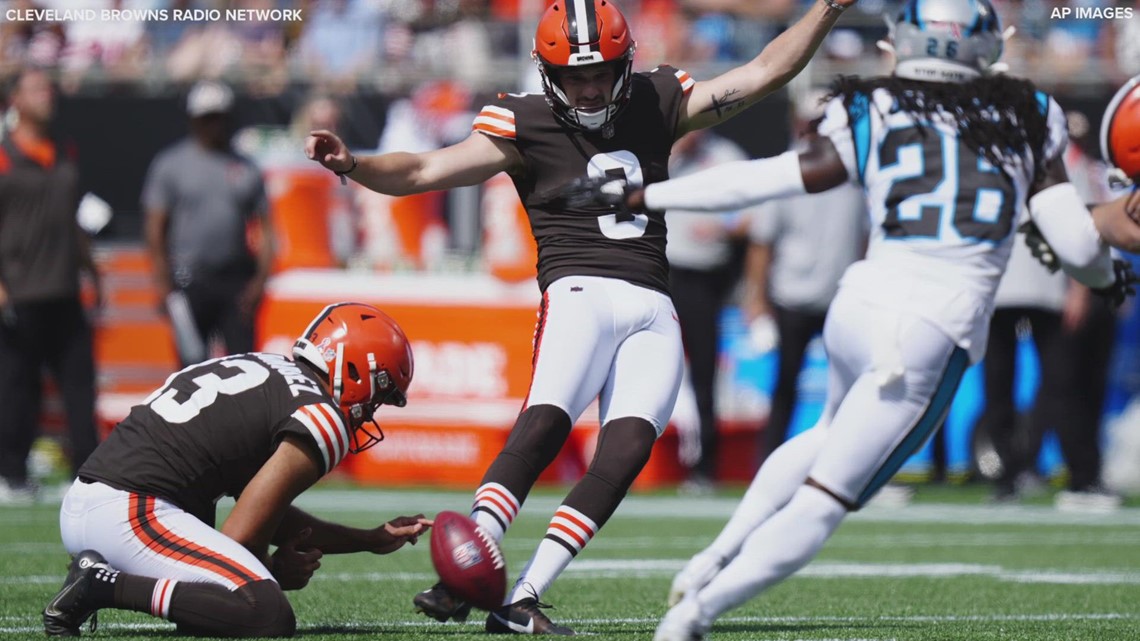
point(594, 240)
point(211, 427)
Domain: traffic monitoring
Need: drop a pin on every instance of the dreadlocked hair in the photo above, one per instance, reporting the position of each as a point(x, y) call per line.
point(998, 117)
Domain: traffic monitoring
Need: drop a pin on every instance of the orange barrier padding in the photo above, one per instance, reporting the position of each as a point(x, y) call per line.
point(300, 200)
point(401, 232)
point(135, 342)
point(444, 455)
point(508, 246)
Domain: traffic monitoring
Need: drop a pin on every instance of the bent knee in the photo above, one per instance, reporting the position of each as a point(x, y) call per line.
point(270, 614)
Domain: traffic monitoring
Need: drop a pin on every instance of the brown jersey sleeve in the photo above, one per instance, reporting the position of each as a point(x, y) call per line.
point(672, 86)
point(323, 427)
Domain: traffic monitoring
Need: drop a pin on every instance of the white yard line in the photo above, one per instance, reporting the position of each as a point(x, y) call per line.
point(716, 509)
point(712, 508)
point(846, 540)
point(594, 569)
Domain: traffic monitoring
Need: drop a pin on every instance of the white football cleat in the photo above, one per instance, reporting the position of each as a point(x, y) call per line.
point(695, 575)
point(683, 622)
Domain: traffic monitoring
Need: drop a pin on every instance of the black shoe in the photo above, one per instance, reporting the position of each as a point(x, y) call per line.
point(524, 617)
point(441, 605)
point(70, 608)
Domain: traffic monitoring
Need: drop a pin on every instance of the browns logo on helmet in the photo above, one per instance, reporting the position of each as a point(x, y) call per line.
point(577, 33)
point(366, 360)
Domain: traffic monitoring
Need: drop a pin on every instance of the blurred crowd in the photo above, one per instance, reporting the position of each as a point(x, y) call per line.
point(393, 44)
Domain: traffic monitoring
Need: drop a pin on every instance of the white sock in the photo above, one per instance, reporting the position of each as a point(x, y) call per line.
point(494, 510)
point(782, 473)
point(781, 546)
point(160, 597)
point(569, 531)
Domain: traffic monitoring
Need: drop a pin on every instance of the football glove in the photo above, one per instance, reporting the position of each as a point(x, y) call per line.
point(1122, 287)
point(1040, 247)
point(598, 190)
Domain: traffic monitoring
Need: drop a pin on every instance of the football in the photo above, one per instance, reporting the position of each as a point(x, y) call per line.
point(468, 561)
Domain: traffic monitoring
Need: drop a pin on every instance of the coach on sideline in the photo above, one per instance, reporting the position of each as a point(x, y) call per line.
point(200, 197)
point(43, 251)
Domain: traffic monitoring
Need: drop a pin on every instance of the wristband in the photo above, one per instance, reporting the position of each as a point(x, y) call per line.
point(834, 5)
point(346, 172)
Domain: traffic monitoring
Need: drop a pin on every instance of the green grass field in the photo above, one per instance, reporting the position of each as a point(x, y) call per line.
point(946, 567)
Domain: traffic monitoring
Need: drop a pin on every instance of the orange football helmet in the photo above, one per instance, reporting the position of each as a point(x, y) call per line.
point(576, 33)
point(1120, 133)
point(366, 359)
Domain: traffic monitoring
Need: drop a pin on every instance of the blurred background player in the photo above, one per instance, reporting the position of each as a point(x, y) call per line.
point(1077, 379)
point(139, 520)
point(704, 265)
point(1029, 300)
point(788, 281)
point(202, 200)
point(43, 254)
point(911, 317)
point(607, 328)
point(1088, 340)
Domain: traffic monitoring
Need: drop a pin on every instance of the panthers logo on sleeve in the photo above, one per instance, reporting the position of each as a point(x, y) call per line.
point(327, 428)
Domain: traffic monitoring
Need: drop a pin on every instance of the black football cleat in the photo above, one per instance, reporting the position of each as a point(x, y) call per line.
point(524, 617)
point(70, 607)
point(440, 604)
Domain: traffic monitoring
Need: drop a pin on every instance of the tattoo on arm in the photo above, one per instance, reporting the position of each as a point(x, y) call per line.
point(726, 103)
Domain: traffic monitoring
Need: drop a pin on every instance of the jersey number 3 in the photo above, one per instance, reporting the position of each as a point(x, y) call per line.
point(247, 375)
point(619, 164)
point(980, 197)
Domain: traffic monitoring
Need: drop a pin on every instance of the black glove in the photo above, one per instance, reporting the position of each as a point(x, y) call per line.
point(600, 190)
point(1122, 287)
point(1040, 247)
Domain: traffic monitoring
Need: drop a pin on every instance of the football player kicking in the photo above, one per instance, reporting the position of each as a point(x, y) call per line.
point(607, 328)
point(949, 155)
point(258, 427)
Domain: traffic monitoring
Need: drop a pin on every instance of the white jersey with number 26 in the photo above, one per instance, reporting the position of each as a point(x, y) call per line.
point(942, 217)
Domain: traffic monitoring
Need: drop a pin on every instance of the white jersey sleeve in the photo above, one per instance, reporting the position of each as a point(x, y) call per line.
point(836, 125)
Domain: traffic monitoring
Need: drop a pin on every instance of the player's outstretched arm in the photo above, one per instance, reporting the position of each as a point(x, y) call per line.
point(469, 162)
point(334, 538)
point(714, 101)
point(740, 184)
point(1064, 221)
point(1118, 222)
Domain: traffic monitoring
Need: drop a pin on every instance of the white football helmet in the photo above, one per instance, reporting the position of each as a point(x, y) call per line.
point(945, 40)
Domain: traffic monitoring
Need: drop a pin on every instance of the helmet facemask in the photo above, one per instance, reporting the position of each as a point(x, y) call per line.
point(360, 415)
point(592, 119)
